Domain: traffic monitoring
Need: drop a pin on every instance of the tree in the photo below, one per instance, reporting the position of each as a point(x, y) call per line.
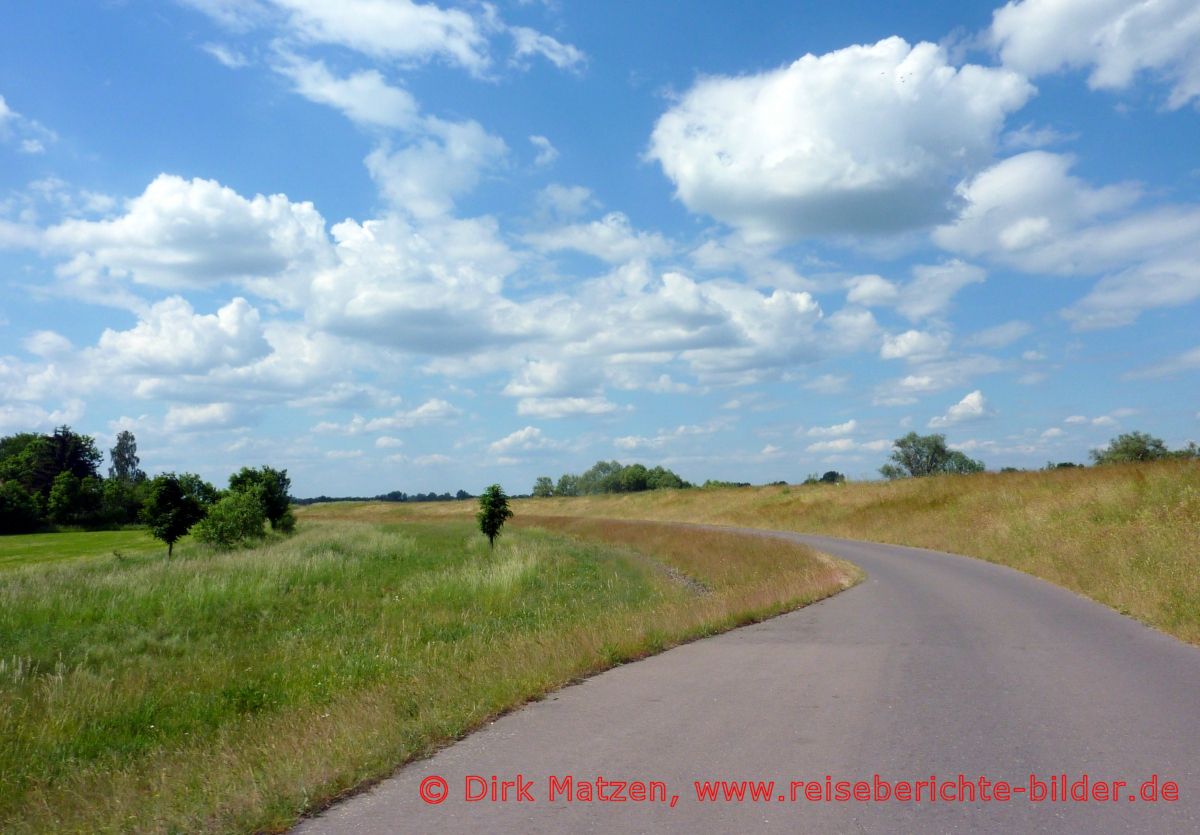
point(236, 518)
point(632, 479)
point(169, 511)
point(19, 510)
point(125, 459)
point(1130, 447)
point(568, 485)
point(832, 477)
point(275, 484)
point(64, 495)
point(914, 456)
point(601, 477)
point(543, 488)
point(493, 512)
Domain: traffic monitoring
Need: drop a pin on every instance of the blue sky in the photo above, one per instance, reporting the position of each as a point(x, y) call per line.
point(392, 245)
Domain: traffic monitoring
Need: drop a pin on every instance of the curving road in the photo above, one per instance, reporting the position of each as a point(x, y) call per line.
point(935, 665)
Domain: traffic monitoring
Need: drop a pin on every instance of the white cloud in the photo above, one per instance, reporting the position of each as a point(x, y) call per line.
point(29, 135)
point(864, 140)
point(434, 410)
point(546, 152)
point(433, 288)
point(226, 56)
point(914, 346)
point(1115, 39)
point(1053, 432)
point(523, 440)
point(171, 338)
point(934, 286)
point(393, 30)
point(16, 416)
point(872, 291)
point(840, 445)
point(364, 97)
point(559, 407)
point(195, 233)
point(1118, 299)
point(48, 345)
point(424, 177)
point(1028, 211)
point(1075, 420)
point(388, 442)
point(529, 42)
point(566, 201)
point(666, 437)
point(612, 239)
point(846, 428)
point(1030, 136)
point(934, 376)
point(970, 408)
point(200, 418)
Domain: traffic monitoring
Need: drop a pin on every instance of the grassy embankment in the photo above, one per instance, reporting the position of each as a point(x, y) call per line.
point(231, 692)
point(1127, 536)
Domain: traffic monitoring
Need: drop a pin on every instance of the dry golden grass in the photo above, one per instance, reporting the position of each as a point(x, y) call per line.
point(1127, 536)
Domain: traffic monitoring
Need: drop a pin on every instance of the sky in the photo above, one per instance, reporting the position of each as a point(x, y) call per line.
point(391, 245)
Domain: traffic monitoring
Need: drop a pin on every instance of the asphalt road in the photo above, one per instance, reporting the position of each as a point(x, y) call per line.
point(935, 665)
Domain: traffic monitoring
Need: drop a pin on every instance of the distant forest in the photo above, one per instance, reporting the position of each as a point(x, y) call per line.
point(394, 496)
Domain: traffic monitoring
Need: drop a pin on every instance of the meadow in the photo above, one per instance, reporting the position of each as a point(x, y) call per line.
point(1127, 536)
point(234, 692)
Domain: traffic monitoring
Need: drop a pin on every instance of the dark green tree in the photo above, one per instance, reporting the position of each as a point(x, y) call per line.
point(1131, 447)
point(19, 509)
point(832, 477)
point(914, 456)
point(493, 512)
point(169, 511)
point(125, 459)
point(543, 488)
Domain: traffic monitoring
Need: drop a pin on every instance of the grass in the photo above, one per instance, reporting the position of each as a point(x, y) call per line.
point(233, 692)
point(1126, 536)
point(41, 548)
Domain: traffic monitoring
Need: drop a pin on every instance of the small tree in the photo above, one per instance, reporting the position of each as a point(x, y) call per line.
point(1132, 446)
point(274, 486)
point(236, 518)
point(169, 511)
point(493, 512)
point(543, 488)
point(832, 477)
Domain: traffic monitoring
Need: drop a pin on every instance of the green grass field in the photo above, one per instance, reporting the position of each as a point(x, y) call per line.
point(233, 692)
point(42, 548)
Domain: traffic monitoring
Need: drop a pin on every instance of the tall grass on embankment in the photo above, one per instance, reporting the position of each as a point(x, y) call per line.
point(1127, 536)
point(233, 692)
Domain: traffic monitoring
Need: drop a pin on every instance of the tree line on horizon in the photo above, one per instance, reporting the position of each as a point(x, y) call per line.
point(609, 477)
point(53, 481)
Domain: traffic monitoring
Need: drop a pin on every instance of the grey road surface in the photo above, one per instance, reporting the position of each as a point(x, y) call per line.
point(935, 665)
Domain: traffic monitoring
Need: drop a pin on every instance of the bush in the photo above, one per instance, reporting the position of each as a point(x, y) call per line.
point(233, 520)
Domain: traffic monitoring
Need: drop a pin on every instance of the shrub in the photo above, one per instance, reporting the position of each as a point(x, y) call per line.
point(233, 520)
